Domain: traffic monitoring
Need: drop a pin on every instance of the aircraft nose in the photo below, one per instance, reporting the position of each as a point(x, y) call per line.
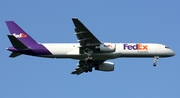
point(172, 53)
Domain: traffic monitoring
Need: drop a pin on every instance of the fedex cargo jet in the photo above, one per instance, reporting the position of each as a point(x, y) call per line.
point(90, 52)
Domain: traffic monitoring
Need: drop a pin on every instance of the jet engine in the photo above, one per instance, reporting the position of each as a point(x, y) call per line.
point(106, 66)
point(106, 47)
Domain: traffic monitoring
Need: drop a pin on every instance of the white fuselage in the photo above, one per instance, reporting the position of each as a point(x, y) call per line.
point(71, 50)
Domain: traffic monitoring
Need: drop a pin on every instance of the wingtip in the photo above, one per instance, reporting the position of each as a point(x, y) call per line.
point(73, 72)
point(74, 18)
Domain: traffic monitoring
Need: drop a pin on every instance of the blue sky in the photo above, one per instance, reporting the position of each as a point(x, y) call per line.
point(155, 21)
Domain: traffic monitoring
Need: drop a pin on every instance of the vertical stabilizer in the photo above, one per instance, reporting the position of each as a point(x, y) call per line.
point(20, 34)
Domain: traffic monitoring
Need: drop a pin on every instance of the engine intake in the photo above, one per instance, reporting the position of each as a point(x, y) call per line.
point(106, 66)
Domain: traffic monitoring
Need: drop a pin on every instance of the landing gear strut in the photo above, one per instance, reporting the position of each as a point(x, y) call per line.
point(88, 52)
point(88, 60)
point(155, 60)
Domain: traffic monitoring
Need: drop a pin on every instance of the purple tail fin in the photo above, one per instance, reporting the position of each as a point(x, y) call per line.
point(20, 34)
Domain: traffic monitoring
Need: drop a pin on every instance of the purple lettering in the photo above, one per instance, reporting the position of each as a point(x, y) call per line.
point(130, 47)
point(125, 45)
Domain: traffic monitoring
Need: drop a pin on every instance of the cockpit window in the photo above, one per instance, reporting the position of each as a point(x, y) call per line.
point(105, 46)
point(167, 47)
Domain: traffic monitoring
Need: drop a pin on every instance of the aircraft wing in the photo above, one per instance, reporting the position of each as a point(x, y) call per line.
point(81, 68)
point(85, 37)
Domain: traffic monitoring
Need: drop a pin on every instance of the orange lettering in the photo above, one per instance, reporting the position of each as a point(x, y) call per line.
point(145, 47)
point(140, 47)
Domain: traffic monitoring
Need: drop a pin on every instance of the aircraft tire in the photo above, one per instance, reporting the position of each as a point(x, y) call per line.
point(90, 70)
point(154, 65)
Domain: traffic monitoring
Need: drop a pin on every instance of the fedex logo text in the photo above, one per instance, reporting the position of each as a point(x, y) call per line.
point(21, 35)
point(135, 47)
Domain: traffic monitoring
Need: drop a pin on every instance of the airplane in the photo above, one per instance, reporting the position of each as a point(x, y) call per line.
point(91, 53)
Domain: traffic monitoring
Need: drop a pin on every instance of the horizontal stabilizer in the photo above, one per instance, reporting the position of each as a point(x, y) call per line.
point(14, 54)
point(20, 34)
point(16, 43)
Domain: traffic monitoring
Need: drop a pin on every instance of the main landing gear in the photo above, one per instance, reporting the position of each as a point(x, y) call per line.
point(155, 60)
point(88, 60)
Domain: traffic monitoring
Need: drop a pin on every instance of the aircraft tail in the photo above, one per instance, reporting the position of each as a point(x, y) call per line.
point(23, 43)
point(18, 38)
point(19, 34)
point(16, 44)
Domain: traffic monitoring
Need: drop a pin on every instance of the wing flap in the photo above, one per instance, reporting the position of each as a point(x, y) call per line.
point(84, 39)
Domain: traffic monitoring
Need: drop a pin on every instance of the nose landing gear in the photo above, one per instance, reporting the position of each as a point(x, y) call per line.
point(155, 60)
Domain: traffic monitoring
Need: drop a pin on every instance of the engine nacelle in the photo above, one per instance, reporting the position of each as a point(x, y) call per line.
point(106, 47)
point(106, 66)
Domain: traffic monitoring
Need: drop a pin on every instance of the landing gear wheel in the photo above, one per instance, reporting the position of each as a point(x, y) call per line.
point(154, 65)
point(88, 64)
point(88, 60)
point(90, 69)
point(86, 70)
